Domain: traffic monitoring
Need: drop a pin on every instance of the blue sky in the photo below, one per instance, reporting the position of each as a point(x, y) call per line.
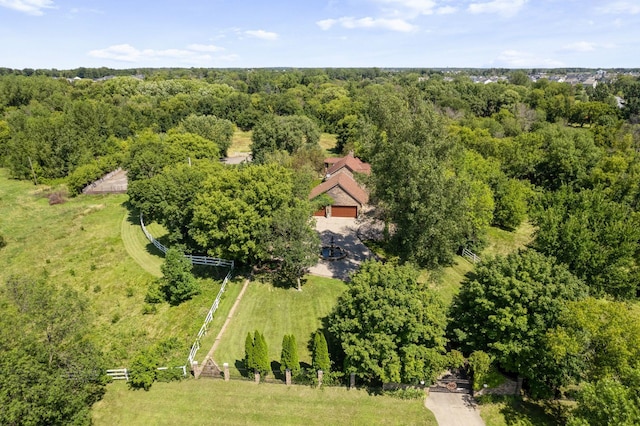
point(67, 34)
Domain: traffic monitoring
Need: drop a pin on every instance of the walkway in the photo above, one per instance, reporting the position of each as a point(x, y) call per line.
point(344, 232)
point(216, 343)
point(454, 409)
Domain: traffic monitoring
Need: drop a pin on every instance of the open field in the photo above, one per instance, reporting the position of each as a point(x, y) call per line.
point(241, 142)
point(80, 244)
point(278, 311)
point(203, 402)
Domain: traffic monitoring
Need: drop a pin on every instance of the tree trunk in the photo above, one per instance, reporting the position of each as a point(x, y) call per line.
point(299, 285)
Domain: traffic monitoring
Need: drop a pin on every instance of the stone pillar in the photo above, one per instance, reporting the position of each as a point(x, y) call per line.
point(195, 369)
point(320, 375)
point(352, 381)
point(257, 377)
point(225, 367)
point(287, 377)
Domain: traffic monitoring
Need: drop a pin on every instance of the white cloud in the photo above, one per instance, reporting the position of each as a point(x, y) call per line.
point(262, 34)
point(519, 59)
point(506, 8)
point(415, 7)
point(30, 7)
point(620, 8)
point(367, 22)
point(128, 53)
point(580, 46)
point(205, 48)
point(446, 10)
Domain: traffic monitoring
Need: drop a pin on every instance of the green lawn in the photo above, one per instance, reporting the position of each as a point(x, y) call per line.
point(514, 411)
point(206, 402)
point(80, 244)
point(276, 311)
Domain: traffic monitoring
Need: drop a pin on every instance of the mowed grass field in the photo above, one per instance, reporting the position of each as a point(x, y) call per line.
point(81, 244)
point(215, 402)
point(276, 311)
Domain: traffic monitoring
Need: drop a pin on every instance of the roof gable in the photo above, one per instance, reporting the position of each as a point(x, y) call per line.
point(346, 183)
point(350, 162)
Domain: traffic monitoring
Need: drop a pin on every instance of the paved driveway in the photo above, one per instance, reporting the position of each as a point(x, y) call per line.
point(344, 233)
point(454, 409)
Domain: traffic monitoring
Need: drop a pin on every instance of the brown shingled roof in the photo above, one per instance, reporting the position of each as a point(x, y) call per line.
point(349, 161)
point(347, 183)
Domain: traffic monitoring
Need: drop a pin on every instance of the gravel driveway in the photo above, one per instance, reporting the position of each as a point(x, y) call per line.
point(344, 233)
point(454, 409)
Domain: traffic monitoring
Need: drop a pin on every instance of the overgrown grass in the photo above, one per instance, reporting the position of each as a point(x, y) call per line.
point(516, 411)
point(328, 143)
point(245, 403)
point(501, 242)
point(276, 311)
point(80, 244)
point(240, 143)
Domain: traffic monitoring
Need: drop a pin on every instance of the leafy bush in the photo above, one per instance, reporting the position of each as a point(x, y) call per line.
point(154, 294)
point(143, 370)
point(409, 393)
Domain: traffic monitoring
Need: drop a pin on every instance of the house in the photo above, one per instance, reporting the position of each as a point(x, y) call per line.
point(348, 196)
point(347, 164)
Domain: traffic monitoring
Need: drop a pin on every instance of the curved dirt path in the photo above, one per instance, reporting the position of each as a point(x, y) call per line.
point(216, 343)
point(454, 409)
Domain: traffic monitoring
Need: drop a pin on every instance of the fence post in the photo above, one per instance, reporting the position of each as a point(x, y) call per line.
point(287, 377)
point(320, 376)
point(256, 377)
point(225, 367)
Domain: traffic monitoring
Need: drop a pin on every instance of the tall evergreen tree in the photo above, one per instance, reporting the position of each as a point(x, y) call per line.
point(320, 353)
point(249, 353)
point(261, 354)
point(289, 358)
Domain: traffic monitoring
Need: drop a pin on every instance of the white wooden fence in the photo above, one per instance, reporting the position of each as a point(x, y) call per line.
point(196, 260)
point(470, 255)
point(123, 373)
point(207, 320)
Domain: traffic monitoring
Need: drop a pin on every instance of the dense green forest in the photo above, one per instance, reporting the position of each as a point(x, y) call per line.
point(449, 158)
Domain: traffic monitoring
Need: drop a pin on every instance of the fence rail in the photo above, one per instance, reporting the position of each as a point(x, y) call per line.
point(195, 260)
point(470, 255)
point(123, 373)
point(207, 320)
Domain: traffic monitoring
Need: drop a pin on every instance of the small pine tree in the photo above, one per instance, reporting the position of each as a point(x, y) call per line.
point(249, 353)
point(285, 355)
point(320, 353)
point(261, 354)
point(289, 358)
point(178, 283)
point(294, 365)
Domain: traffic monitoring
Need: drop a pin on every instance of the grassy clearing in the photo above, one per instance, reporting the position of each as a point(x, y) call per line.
point(503, 242)
point(512, 411)
point(199, 402)
point(328, 142)
point(278, 311)
point(80, 244)
point(240, 143)
point(500, 242)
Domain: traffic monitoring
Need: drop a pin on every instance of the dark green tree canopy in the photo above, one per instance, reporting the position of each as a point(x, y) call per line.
point(390, 327)
point(506, 308)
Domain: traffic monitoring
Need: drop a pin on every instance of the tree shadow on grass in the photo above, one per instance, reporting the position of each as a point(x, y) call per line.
point(519, 411)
